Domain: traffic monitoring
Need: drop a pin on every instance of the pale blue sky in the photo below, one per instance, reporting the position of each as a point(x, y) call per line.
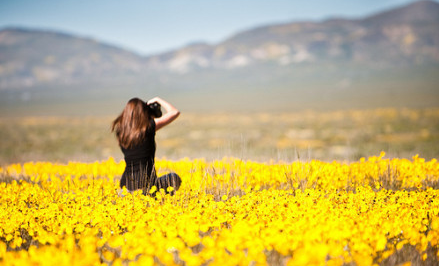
point(148, 27)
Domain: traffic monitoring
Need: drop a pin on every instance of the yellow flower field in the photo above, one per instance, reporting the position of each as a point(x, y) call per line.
point(227, 212)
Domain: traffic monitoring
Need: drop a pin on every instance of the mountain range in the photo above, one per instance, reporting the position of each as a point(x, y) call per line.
point(333, 54)
point(407, 35)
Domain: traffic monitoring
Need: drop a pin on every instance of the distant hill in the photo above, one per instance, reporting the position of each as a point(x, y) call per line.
point(404, 36)
point(395, 52)
point(30, 57)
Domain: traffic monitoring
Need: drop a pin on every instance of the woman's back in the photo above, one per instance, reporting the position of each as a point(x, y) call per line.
point(139, 161)
point(145, 150)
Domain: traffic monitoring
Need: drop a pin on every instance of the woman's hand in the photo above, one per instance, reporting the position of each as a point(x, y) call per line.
point(153, 100)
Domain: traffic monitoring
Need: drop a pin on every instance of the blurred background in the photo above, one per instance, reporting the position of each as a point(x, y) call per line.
point(260, 80)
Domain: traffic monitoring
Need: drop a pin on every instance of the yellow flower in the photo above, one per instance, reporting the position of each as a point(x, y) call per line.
point(153, 189)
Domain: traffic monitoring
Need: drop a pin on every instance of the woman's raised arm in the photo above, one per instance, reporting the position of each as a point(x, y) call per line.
point(171, 113)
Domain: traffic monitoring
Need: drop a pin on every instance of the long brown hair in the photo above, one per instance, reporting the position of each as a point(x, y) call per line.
point(131, 125)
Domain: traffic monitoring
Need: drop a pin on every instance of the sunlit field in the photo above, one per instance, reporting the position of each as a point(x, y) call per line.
point(345, 135)
point(373, 211)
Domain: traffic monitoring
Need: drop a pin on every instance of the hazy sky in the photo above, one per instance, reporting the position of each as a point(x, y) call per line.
point(148, 26)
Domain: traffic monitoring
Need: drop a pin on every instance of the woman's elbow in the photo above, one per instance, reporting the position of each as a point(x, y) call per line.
point(172, 115)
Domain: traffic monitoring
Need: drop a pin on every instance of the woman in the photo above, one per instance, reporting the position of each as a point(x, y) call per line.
point(135, 130)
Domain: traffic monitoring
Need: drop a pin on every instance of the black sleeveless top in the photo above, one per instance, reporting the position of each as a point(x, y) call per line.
point(140, 170)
